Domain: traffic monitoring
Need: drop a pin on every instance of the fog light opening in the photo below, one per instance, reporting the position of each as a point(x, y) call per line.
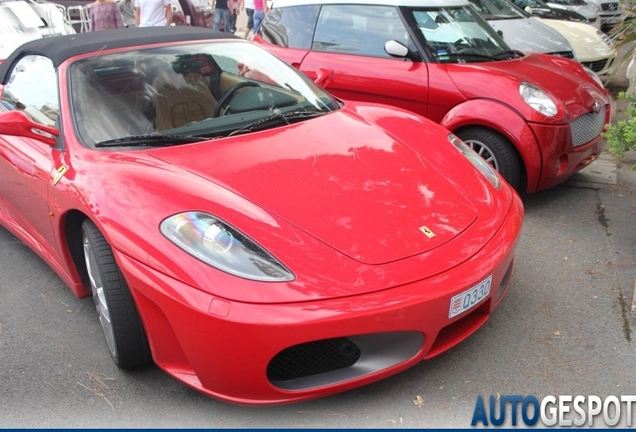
point(561, 165)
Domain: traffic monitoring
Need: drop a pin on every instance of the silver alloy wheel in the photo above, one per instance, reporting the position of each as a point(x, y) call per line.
point(484, 151)
point(99, 297)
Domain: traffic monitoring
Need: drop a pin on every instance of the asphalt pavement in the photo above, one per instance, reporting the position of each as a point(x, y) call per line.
point(564, 327)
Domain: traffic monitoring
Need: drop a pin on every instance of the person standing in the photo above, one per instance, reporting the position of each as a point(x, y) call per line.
point(249, 9)
point(235, 9)
point(260, 9)
point(153, 13)
point(221, 12)
point(105, 15)
point(127, 9)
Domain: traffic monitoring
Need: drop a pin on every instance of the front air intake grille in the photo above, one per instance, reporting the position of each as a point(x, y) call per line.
point(313, 358)
point(596, 66)
point(587, 127)
point(610, 6)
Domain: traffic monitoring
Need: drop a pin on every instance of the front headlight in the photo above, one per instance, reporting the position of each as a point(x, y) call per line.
point(605, 38)
point(483, 166)
point(216, 243)
point(538, 99)
point(593, 75)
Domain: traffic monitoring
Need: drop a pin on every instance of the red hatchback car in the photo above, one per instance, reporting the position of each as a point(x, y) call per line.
point(257, 239)
point(536, 118)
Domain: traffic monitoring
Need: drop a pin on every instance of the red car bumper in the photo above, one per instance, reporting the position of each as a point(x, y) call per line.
point(560, 157)
point(246, 353)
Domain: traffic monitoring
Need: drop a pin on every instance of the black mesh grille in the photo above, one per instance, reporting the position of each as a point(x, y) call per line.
point(596, 66)
point(312, 358)
point(610, 6)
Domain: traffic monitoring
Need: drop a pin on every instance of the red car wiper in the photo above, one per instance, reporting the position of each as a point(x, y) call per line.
point(150, 140)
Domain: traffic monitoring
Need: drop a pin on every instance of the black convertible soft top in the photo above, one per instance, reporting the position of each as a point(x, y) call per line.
point(61, 48)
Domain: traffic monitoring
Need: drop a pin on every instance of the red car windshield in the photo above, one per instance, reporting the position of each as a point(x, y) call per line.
point(203, 90)
point(459, 35)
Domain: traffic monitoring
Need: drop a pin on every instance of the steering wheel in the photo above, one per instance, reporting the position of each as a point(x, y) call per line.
point(463, 43)
point(229, 94)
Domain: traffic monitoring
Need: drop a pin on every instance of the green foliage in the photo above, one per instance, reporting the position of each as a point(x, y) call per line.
point(624, 33)
point(621, 135)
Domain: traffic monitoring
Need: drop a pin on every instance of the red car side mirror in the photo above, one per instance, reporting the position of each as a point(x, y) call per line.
point(17, 123)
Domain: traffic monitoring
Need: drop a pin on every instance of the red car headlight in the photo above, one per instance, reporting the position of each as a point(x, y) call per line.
point(218, 244)
point(538, 99)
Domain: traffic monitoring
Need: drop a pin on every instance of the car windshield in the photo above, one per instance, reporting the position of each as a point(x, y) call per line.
point(460, 35)
point(491, 10)
point(203, 90)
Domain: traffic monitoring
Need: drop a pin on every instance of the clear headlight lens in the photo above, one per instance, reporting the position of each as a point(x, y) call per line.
point(538, 99)
point(216, 243)
point(483, 166)
point(593, 75)
point(605, 38)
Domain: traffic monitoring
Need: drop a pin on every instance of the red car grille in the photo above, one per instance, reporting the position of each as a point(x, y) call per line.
point(587, 127)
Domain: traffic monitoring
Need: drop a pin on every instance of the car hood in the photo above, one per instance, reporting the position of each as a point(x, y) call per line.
point(345, 181)
point(530, 35)
point(563, 79)
point(587, 43)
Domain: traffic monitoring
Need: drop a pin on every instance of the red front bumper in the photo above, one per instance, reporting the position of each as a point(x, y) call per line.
point(223, 348)
point(559, 158)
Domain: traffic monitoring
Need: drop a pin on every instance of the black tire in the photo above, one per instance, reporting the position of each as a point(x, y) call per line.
point(122, 327)
point(497, 151)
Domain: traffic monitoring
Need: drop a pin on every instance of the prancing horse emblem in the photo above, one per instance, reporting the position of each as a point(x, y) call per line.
point(59, 174)
point(596, 107)
point(427, 232)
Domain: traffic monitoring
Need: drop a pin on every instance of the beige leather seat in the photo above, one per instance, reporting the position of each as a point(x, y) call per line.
point(182, 103)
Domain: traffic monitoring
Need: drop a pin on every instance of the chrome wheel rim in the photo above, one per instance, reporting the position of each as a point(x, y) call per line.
point(99, 297)
point(484, 151)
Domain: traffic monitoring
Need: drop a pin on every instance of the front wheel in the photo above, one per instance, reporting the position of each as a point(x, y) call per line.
point(118, 316)
point(497, 151)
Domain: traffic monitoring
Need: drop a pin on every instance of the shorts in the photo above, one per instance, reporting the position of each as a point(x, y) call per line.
point(250, 18)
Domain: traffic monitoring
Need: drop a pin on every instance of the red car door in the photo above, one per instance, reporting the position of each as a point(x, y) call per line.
point(349, 40)
point(27, 164)
point(373, 79)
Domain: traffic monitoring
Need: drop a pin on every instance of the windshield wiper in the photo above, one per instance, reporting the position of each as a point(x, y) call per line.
point(504, 55)
point(472, 55)
point(153, 140)
point(277, 119)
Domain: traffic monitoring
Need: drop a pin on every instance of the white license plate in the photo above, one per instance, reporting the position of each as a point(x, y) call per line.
point(469, 298)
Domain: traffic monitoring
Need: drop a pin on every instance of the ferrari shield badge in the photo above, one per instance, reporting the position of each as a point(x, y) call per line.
point(427, 232)
point(59, 174)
